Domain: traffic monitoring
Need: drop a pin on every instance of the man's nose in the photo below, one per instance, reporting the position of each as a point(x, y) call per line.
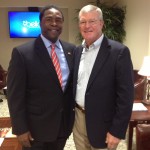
point(53, 22)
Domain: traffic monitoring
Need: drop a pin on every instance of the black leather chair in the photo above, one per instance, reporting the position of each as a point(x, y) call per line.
point(143, 137)
point(3, 76)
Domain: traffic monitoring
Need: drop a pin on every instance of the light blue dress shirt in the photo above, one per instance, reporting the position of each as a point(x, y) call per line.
point(62, 59)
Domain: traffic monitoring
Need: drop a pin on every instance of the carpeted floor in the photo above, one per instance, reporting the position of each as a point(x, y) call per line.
point(70, 144)
point(122, 145)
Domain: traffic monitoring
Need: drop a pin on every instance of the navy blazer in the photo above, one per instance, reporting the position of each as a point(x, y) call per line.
point(35, 98)
point(109, 93)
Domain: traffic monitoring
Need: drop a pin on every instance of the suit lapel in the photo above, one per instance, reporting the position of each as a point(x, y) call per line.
point(78, 53)
point(100, 60)
point(77, 57)
point(42, 53)
point(69, 57)
point(68, 53)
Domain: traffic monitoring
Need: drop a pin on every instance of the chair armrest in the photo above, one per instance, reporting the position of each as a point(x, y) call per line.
point(139, 82)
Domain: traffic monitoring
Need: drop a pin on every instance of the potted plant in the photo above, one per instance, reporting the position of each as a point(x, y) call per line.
point(114, 17)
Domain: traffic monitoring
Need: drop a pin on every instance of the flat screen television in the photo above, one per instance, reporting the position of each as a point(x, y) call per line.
point(24, 24)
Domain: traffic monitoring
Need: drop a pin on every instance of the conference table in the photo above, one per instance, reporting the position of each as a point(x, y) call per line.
point(137, 117)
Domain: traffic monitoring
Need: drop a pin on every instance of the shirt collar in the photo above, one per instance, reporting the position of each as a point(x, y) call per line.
point(96, 44)
point(47, 43)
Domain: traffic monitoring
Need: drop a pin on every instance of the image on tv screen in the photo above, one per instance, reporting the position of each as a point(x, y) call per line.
point(24, 24)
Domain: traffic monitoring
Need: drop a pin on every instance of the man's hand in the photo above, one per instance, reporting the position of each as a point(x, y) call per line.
point(112, 142)
point(25, 139)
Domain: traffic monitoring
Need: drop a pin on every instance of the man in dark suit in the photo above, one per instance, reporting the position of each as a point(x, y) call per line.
point(41, 108)
point(103, 86)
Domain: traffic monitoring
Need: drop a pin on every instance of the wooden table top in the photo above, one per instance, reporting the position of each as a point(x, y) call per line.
point(141, 115)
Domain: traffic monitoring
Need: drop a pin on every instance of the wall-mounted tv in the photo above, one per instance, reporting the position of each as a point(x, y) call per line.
point(24, 24)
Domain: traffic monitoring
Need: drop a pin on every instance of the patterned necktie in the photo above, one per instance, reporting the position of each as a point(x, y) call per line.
point(56, 63)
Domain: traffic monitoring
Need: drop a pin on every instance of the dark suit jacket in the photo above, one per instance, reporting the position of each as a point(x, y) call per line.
point(109, 93)
point(36, 100)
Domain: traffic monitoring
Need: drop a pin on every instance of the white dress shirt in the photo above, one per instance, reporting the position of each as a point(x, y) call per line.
point(87, 61)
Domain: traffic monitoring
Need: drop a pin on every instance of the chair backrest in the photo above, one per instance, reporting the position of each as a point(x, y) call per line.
point(139, 86)
point(3, 75)
point(143, 137)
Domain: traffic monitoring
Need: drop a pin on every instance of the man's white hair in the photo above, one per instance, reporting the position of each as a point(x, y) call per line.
point(89, 8)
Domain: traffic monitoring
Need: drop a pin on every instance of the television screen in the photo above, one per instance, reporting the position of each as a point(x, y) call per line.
point(24, 24)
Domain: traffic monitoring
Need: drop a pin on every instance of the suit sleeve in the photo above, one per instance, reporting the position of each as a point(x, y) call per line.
point(125, 93)
point(16, 84)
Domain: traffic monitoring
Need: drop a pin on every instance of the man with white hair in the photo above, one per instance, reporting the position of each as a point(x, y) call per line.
point(103, 86)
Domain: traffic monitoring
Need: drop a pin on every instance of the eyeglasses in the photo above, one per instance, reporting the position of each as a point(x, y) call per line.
point(90, 22)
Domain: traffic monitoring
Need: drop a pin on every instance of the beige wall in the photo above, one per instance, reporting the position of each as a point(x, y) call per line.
point(137, 25)
point(70, 28)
